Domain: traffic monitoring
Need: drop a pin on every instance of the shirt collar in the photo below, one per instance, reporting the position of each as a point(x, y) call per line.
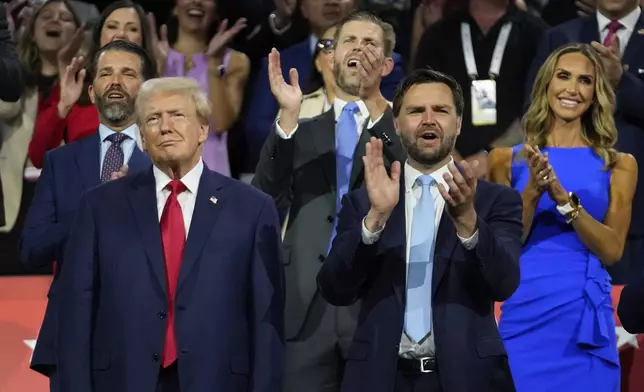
point(411, 175)
point(190, 180)
point(629, 21)
point(338, 105)
point(104, 131)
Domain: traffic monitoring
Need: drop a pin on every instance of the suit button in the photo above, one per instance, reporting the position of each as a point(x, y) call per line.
point(329, 218)
point(162, 314)
point(156, 357)
point(321, 258)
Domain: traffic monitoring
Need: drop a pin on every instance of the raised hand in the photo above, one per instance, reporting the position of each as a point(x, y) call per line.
point(541, 172)
point(224, 35)
point(611, 58)
point(383, 189)
point(159, 43)
point(459, 199)
point(119, 174)
point(71, 86)
point(67, 52)
point(289, 96)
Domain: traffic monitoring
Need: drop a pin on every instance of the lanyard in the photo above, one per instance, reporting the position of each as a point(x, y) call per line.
point(497, 55)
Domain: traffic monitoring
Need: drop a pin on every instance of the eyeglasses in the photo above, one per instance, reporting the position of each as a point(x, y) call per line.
point(325, 45)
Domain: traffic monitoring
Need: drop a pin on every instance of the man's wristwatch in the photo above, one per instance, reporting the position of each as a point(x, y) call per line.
point(571, 209)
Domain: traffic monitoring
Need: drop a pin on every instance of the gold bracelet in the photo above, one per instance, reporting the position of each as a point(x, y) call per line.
point(573, 215)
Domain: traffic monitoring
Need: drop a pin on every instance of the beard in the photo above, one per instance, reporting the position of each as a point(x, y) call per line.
point(342, 82)
point(425, 156)
point(115, 112)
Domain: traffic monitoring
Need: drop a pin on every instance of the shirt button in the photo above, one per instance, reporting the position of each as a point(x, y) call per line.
point(329, 218)
point(155, 357)
point(321, 258)
point(162, 314)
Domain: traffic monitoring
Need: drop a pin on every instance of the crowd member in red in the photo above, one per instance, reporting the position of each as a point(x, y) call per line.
point(67, 115)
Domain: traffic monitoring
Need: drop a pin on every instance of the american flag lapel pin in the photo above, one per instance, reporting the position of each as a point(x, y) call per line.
point(640, 31)
point(213, 200)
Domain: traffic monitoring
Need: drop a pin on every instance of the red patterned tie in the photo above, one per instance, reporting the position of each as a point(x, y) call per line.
point(613, 28)
point(173, 236)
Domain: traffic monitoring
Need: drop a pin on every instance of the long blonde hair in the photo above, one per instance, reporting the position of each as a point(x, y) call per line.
point(597, 124)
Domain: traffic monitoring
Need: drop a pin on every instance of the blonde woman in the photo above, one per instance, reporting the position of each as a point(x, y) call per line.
point(558, 327)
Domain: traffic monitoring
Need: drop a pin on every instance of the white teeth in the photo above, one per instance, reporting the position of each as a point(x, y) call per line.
point(568, 103)
point(353, 63)
point(195, 12)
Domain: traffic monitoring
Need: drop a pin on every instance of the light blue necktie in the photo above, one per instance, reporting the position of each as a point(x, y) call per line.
point(418, 309)
point(346, 139)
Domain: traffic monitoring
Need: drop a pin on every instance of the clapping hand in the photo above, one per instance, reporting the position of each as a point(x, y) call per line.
point(541, 173)
point(288, 96)
point(159, 43)
point(611, 58)
point(543, 176)
point(224, 35)
point(71, 86)
point(383, 189)
point(459, 200)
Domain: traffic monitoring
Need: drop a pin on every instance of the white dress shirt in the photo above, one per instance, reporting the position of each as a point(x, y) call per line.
point(413, 191)
point(624, 34)
point(186, 199)
point(127, 146)
point(360, 116)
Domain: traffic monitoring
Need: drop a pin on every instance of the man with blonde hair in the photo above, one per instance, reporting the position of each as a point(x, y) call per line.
point(144, 308)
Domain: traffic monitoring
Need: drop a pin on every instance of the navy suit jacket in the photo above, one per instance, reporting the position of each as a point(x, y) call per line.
point(631, 307)
point(263, 107)
point(629, 114)
point(68, 171)
point(465, 284)
point(229, 302)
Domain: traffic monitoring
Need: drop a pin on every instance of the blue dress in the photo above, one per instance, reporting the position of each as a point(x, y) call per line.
point(558, 327)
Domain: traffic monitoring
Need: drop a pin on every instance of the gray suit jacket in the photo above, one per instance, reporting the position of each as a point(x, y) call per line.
point(299, 173)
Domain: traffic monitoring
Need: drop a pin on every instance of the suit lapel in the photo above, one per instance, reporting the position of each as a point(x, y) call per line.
point(138, 161)
point(204, 219)
point(446, 241)
point(358, 167)
point(144, 209)
point(88, 161)
point(394, 239)
point(634, 46)
point(589, 31)
point(392, 148)
point(324, 140)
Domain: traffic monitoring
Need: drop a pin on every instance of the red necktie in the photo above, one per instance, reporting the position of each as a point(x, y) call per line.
point(173, 237)
point(613, 27)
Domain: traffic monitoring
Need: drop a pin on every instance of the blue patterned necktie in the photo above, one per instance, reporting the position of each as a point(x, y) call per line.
point(418, 309)
point(114, 157)
point(346, 140)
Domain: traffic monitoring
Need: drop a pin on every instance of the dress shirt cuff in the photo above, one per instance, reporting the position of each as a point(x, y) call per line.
point(469, 243)
point(369, 238)
point(372, 123)
point(274, 29)
point(280, 132)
